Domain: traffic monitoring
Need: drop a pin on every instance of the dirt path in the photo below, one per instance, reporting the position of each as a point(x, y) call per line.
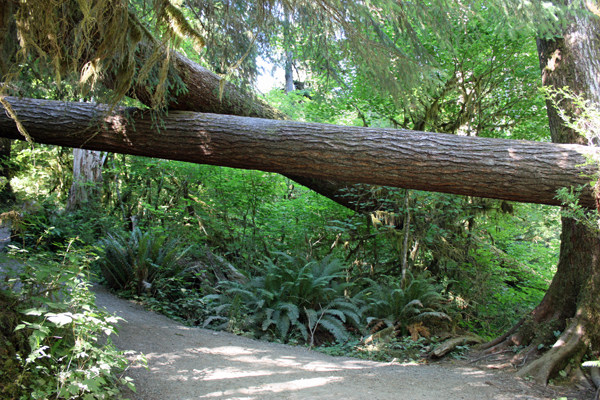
point(190, 363)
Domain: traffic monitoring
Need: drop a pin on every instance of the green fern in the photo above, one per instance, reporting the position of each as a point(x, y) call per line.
point(294, 296)
point(391, 304)
point(136, 263)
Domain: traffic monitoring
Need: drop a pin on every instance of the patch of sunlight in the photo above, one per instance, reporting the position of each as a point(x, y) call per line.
point(226, 350)
point(231, 373)
point(473, 372)
point(273, 388)
point(249, 356)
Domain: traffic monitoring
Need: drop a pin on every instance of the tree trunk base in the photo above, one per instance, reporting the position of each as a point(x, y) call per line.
point(570, 345)
point(534, 337)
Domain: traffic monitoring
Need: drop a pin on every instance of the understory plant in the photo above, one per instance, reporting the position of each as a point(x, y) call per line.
point(399, 305)
point(134, 263)
point(61, 349)
point(289, 297)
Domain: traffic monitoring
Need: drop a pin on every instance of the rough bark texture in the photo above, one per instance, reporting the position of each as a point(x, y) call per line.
point(203, 94)
point(8, 35)
point(7, 48)
point(87, 177)
point(571, 304)
point(503, 169)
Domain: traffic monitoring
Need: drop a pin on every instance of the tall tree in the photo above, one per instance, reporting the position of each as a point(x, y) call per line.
point(106, 45)
point(571, 303)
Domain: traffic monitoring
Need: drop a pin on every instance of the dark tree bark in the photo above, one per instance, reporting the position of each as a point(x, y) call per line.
point(503, 169)
point(571, 303)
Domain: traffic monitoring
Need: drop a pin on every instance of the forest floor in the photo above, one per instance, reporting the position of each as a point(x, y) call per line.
point(192, 363)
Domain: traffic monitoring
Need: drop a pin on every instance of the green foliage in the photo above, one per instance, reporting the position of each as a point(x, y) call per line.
point(399, 349)
point(418, 299)
point(64, 355)
point(582, 116)
point(135, 263)
point(570, 198)
point(494, 259)
point(289, 295)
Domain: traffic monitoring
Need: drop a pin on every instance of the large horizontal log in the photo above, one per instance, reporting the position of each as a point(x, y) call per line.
point(204, 93)
point(504, 169)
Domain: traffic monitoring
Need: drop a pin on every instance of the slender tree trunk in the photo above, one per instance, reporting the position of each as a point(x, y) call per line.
point(289, 73)
point(8, 43)
point(495, 168)
point(406, 235)
point(571, 303)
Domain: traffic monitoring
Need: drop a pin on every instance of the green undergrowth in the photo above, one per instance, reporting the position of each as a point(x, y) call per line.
point(396, 349)
point(56, 344)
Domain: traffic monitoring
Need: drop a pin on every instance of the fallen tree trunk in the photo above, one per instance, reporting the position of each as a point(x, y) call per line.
point(204, 94)
point(207, 92)
point(503, 169)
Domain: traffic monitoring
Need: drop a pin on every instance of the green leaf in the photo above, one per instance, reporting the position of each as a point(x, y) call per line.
point(60, 319)
point(591, 364)
point(34, 311)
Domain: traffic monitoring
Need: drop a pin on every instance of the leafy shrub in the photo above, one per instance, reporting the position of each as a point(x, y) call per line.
point(137, 262)
point(178, 298)
point(286, 297)
point(55, 348)
point(393, 304)
point(44, 226)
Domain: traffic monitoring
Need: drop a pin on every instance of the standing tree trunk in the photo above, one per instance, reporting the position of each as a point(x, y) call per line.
point(289, 73)
point(571, 303)
point(403, 263)
point(8, 40)
point(87, 179)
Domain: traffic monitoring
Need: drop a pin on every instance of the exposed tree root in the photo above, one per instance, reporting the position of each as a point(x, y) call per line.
point(595, 374)
point(490, 346)
point(571, 344)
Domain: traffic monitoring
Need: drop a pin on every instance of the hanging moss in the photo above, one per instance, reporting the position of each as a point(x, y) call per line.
point(99, 41)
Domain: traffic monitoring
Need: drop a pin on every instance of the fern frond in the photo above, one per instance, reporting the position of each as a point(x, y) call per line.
point(335, 327)
point(302, 329)
point(336, 313)
point(292, 310)
point(312, 317)
point(283, 324)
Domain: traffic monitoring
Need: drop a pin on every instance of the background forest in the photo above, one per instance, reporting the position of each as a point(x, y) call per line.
point(257, 253)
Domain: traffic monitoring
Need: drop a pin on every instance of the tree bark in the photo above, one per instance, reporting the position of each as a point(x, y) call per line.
point(503, 169)
point(571, 304)
point(208, 92)
point(87, 178)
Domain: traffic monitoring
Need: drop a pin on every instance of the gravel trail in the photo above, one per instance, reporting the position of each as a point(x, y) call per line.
point(191, 363)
